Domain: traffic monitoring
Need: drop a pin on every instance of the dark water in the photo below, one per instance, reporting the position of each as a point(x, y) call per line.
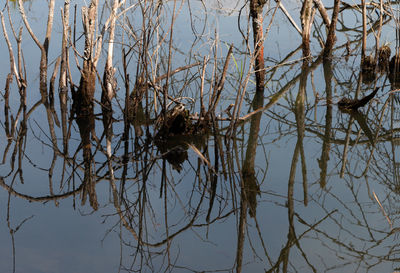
point(297, 187)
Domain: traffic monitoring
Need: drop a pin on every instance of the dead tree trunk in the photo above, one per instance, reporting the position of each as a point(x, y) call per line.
point(109, 81)
point(364, 39)
point(44, 47)
point(331, 38)
point(62, 85)
point(248, 197)
point(83, 99)
point(322, 11)
point(306, 21)
point(256, 12)
point(85, 94)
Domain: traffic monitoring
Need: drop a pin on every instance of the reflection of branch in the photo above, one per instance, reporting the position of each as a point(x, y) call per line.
point(127, 224)
point(274, 99)
point(375, 138)
point(41, 198)
point(13, 231)
point(346, 147)
point(361, 119)
point(86, 125)
point(202, 157)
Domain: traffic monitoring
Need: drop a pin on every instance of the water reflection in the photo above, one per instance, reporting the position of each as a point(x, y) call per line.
point(280, 181)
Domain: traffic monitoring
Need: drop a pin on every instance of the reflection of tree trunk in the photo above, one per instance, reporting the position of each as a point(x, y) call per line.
point(290, 203)
point(292, 238)
point(127, 112)
point(213, 175)
point(241, 230)
point(83, 105)
point(86, 127)
point(300, 121)
point(323, 161)
point(249, 186)
point(285, 252)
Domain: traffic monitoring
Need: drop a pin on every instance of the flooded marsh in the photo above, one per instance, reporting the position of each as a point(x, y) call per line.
point(199, 136)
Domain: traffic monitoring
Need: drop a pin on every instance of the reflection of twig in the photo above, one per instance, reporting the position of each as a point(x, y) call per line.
point(376, 137)
point(201, 156)
point(41, 198)
point(12, 233)
point(127, 224)
point(383, 210)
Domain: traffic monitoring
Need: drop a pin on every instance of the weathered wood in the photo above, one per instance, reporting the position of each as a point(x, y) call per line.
point(331, 38)
point(305, 16)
